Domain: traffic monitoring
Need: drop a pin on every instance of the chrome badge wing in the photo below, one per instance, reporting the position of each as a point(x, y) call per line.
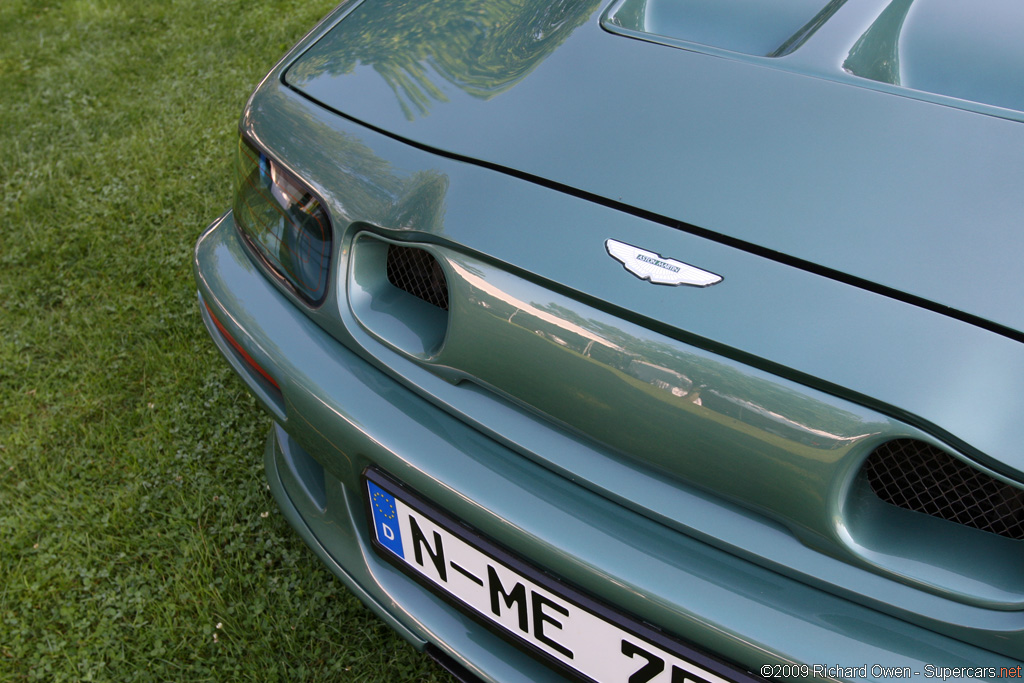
point(657, 269)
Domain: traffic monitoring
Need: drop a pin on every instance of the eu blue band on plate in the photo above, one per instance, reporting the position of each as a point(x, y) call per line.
point(385, 519)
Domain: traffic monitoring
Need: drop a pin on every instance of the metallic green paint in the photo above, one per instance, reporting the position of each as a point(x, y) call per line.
point(746, 26)
point(830, 338)
point(934, 46)
point(949, 378)
point(693, 584)
point(687, 413)
point(478, 411)
point(687, 455)
point(792, 155)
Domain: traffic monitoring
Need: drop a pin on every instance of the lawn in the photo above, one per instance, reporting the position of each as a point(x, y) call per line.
point(138, 539)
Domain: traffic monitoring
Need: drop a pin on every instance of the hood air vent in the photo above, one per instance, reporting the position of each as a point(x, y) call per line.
point(917, 476)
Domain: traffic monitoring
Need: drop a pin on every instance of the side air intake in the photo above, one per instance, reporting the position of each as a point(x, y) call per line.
point(399, 293)
point(417, 272)
point(918, 476)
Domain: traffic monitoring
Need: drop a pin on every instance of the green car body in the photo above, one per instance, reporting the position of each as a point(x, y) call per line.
point(698, 464)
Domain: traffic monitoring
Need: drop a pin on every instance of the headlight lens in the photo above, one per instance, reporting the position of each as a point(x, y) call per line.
point(283, 221)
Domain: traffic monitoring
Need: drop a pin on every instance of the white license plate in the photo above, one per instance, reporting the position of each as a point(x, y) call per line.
point(563, 626)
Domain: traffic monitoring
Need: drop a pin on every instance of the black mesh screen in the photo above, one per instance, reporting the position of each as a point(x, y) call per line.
point(917, 476)
point(417, 272)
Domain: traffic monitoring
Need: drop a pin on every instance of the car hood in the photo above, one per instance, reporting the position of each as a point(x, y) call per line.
point(837, 138)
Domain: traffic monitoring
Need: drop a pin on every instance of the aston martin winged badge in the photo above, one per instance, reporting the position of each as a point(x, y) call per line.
point(657, 269)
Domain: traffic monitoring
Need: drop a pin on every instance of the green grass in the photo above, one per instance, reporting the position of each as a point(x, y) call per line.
point(138, 540)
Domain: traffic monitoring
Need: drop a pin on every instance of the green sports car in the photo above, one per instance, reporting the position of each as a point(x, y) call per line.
point(652, 341)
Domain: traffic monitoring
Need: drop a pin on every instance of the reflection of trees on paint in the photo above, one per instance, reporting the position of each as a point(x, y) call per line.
point(364, 186)
point(481, 48)
point(876, 55)
point(723, 387)
point(421, 205)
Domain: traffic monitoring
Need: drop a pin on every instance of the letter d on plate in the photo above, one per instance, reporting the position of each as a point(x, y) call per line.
point(385, 518)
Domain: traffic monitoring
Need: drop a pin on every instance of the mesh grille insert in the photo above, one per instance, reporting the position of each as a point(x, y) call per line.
point(418, 273)
point(917, 476)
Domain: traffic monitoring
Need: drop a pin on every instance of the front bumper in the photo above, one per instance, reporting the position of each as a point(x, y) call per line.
point(337, 414)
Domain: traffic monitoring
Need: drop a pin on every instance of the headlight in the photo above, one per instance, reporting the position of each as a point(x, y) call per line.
point(283, 221)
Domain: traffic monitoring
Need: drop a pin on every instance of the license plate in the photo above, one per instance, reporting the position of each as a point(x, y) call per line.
point(556, 622)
